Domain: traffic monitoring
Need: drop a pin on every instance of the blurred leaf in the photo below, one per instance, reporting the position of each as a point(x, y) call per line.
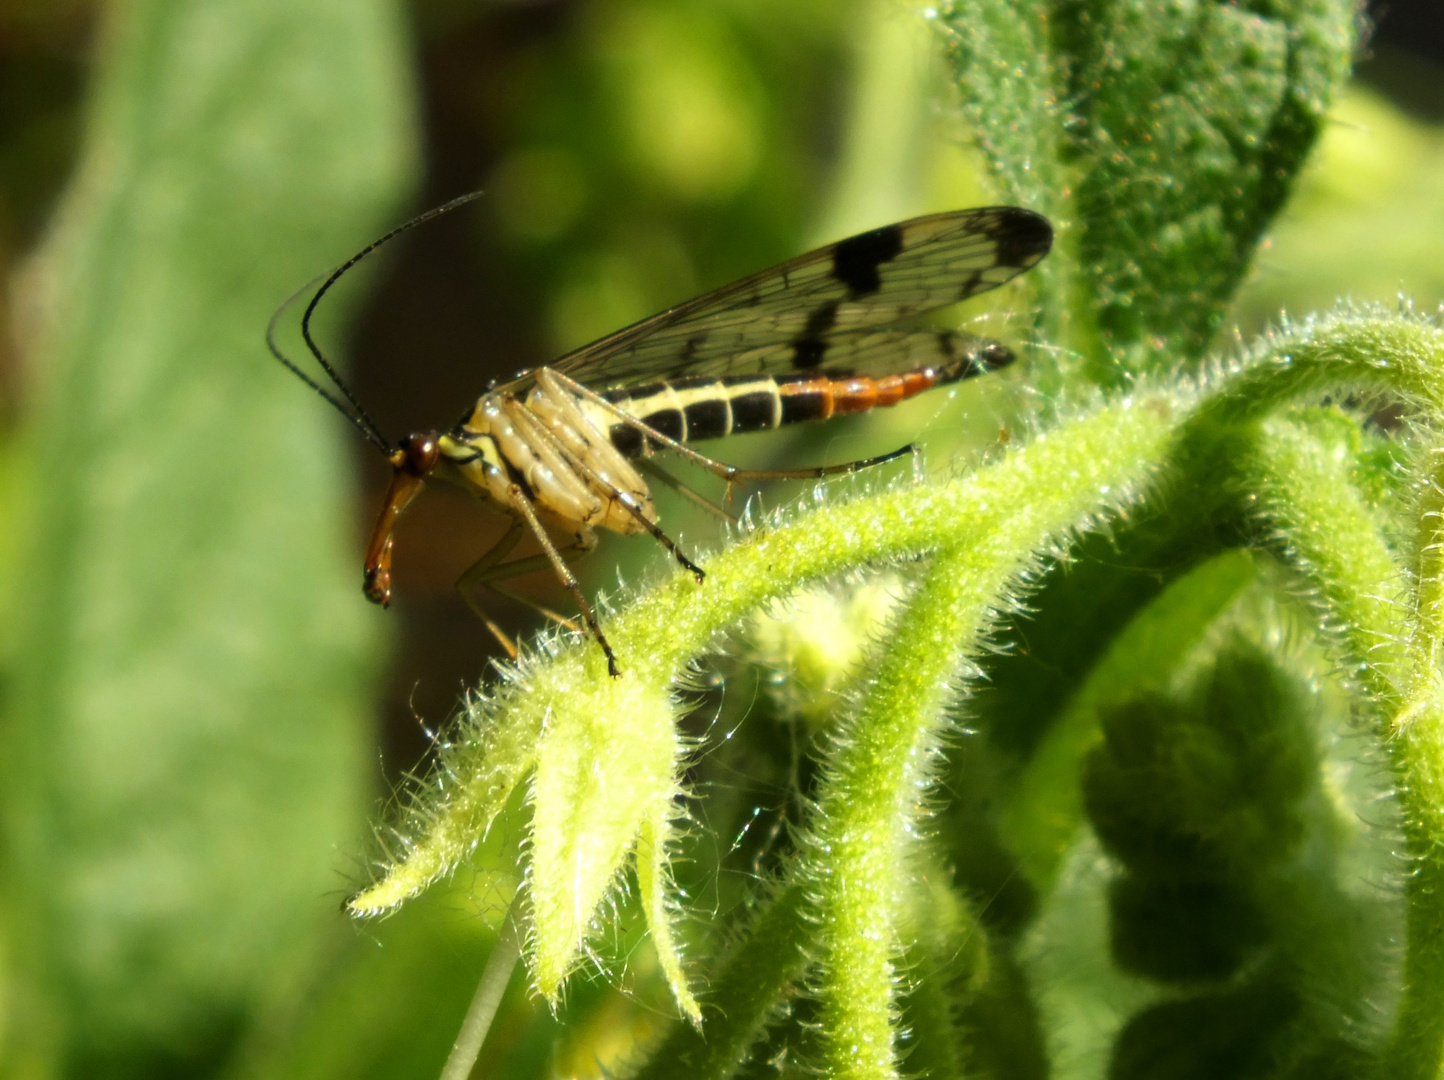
point(1045, 808)
point(187, 747)
point(389, 1004)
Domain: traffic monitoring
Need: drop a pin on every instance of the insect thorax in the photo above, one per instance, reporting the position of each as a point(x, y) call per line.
point(552, 450)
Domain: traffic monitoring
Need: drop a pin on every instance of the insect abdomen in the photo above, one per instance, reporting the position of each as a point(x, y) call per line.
point(689, 409)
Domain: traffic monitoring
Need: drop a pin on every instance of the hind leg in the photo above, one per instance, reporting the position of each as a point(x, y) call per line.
point(490, 571)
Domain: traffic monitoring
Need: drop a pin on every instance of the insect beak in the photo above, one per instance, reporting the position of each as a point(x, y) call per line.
point(412, 461)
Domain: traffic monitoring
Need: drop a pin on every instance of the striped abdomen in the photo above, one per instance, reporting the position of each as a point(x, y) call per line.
point(688, 409)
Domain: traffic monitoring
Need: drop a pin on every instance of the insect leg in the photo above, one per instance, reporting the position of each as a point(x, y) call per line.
point(491, 578)
point(489, 570)
point(523, 416)
point(522, 505)
point(727, 472)
point(478, 570)
point(649, 466)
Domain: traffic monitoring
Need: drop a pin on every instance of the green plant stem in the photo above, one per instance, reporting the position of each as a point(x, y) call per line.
point(744, 993)
point(869, 811)
point(1371, 350)
point(1394, 641)
point(1306, 490)
point(1415, 739)
point(1428, 566)
point(484, 1003)
point(870, 805)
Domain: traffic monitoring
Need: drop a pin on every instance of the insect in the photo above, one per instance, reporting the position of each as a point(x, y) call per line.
point(824, 334)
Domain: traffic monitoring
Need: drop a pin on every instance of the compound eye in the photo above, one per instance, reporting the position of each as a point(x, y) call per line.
point(421, 453)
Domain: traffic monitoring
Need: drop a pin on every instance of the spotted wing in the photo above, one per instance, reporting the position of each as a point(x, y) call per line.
point(806, 314)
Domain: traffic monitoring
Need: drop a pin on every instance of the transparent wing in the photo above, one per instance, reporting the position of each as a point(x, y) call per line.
point(805, 314)
point(953, 354)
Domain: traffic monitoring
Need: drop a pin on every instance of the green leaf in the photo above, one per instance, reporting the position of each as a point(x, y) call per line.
point(1160, 138)
point(603, 781)
point(1192, 121)
point(1393, 648)
point(654, 883)
point(1008, 81)
point(188, 744)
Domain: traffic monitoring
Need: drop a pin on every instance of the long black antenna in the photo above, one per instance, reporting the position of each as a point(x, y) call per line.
point(356, 414)
point(362, 422)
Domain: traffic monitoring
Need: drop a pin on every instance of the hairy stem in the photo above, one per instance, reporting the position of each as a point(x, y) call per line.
point(744, 994)
point(1335, 539)
point(869, 812)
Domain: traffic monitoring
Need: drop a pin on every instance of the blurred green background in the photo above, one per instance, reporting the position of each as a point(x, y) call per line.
point(199, 713)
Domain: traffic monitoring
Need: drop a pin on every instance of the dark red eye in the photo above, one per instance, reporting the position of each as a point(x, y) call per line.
point(421, 453)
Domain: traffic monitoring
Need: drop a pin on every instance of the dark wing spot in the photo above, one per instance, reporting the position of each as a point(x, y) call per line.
point(1025, 237)
point(821, 321)
point(807, 353)
point(855, 261)
point(809, 349)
